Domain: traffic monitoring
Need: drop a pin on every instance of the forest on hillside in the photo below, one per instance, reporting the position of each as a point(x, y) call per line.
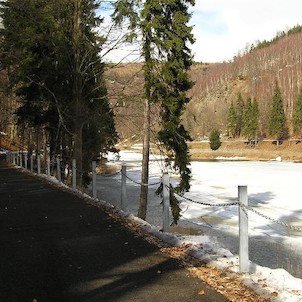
point(252, 74)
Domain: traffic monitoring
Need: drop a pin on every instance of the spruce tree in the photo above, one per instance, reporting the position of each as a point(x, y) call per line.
point(277, 121)
point(250, 119)
point(165, 36)
point(240, 111)
point(297, 116)
point(54, 53)
point(232, 121)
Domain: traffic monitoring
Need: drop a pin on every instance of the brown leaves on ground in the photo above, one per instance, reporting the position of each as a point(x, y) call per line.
point(223, 281)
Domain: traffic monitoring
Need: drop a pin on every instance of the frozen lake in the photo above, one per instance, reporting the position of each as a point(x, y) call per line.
point(273, 189)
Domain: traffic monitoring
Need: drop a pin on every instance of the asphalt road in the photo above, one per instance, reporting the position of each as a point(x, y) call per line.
point(56, 247)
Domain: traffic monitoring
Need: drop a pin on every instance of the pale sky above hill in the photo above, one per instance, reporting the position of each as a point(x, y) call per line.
point(222, 28)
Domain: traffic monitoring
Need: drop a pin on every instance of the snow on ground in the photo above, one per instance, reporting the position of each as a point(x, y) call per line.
point(273, 189)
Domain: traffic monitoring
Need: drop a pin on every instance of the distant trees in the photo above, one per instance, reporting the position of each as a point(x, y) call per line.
point(277, 126)
point(243, 120)
point(281, 34)
point(277, 121)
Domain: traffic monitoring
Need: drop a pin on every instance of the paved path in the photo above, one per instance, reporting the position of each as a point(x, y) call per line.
point(55, 247)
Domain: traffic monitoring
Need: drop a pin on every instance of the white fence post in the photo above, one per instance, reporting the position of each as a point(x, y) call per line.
point(166, 202)
point(94, 192)
point(124, 184)
point(74, 174)
point(39, 164)
point(20, 159)
point(58, 169)
point(243, 230)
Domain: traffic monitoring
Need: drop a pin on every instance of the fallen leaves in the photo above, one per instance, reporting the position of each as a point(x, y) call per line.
point(223, 281)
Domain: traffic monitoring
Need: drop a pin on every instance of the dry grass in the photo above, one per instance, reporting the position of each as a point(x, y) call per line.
point(288, 150)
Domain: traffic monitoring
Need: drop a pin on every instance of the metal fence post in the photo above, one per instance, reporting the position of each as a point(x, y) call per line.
point(243, 230)
point(124, 184)
point(58, 169)
point(74, 174)
point(166, 202)
point(94, 192)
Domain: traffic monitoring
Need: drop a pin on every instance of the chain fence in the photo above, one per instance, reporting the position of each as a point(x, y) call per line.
point(140, 183)
point(291, 227)
point(223, 204)
point(245, 208)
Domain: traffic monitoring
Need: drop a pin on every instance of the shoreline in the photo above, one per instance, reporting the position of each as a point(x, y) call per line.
point(263, 151)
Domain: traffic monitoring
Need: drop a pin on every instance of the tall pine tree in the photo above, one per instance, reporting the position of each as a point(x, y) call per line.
point(277, 121)
point(240, 111)
point(165, 36)
point(232, 121)
point(250, 119)
point(54, 52)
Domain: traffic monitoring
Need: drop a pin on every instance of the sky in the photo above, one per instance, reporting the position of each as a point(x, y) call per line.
point(222, 28)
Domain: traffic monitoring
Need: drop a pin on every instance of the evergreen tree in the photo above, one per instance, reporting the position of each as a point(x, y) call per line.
point(297, 116)
point(240, 111)
point(277, 120)
point(215, 141)
point(165, 37)
point(250, 119)
point(54, 53)
point(232, 121)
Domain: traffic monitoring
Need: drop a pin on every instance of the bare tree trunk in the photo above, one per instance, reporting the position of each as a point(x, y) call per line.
point(142, 211)
point(77, 119)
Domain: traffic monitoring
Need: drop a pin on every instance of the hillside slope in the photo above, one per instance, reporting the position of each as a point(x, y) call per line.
point(253, 75)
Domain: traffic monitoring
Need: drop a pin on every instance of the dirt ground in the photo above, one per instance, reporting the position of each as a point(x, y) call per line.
point(290, 150)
